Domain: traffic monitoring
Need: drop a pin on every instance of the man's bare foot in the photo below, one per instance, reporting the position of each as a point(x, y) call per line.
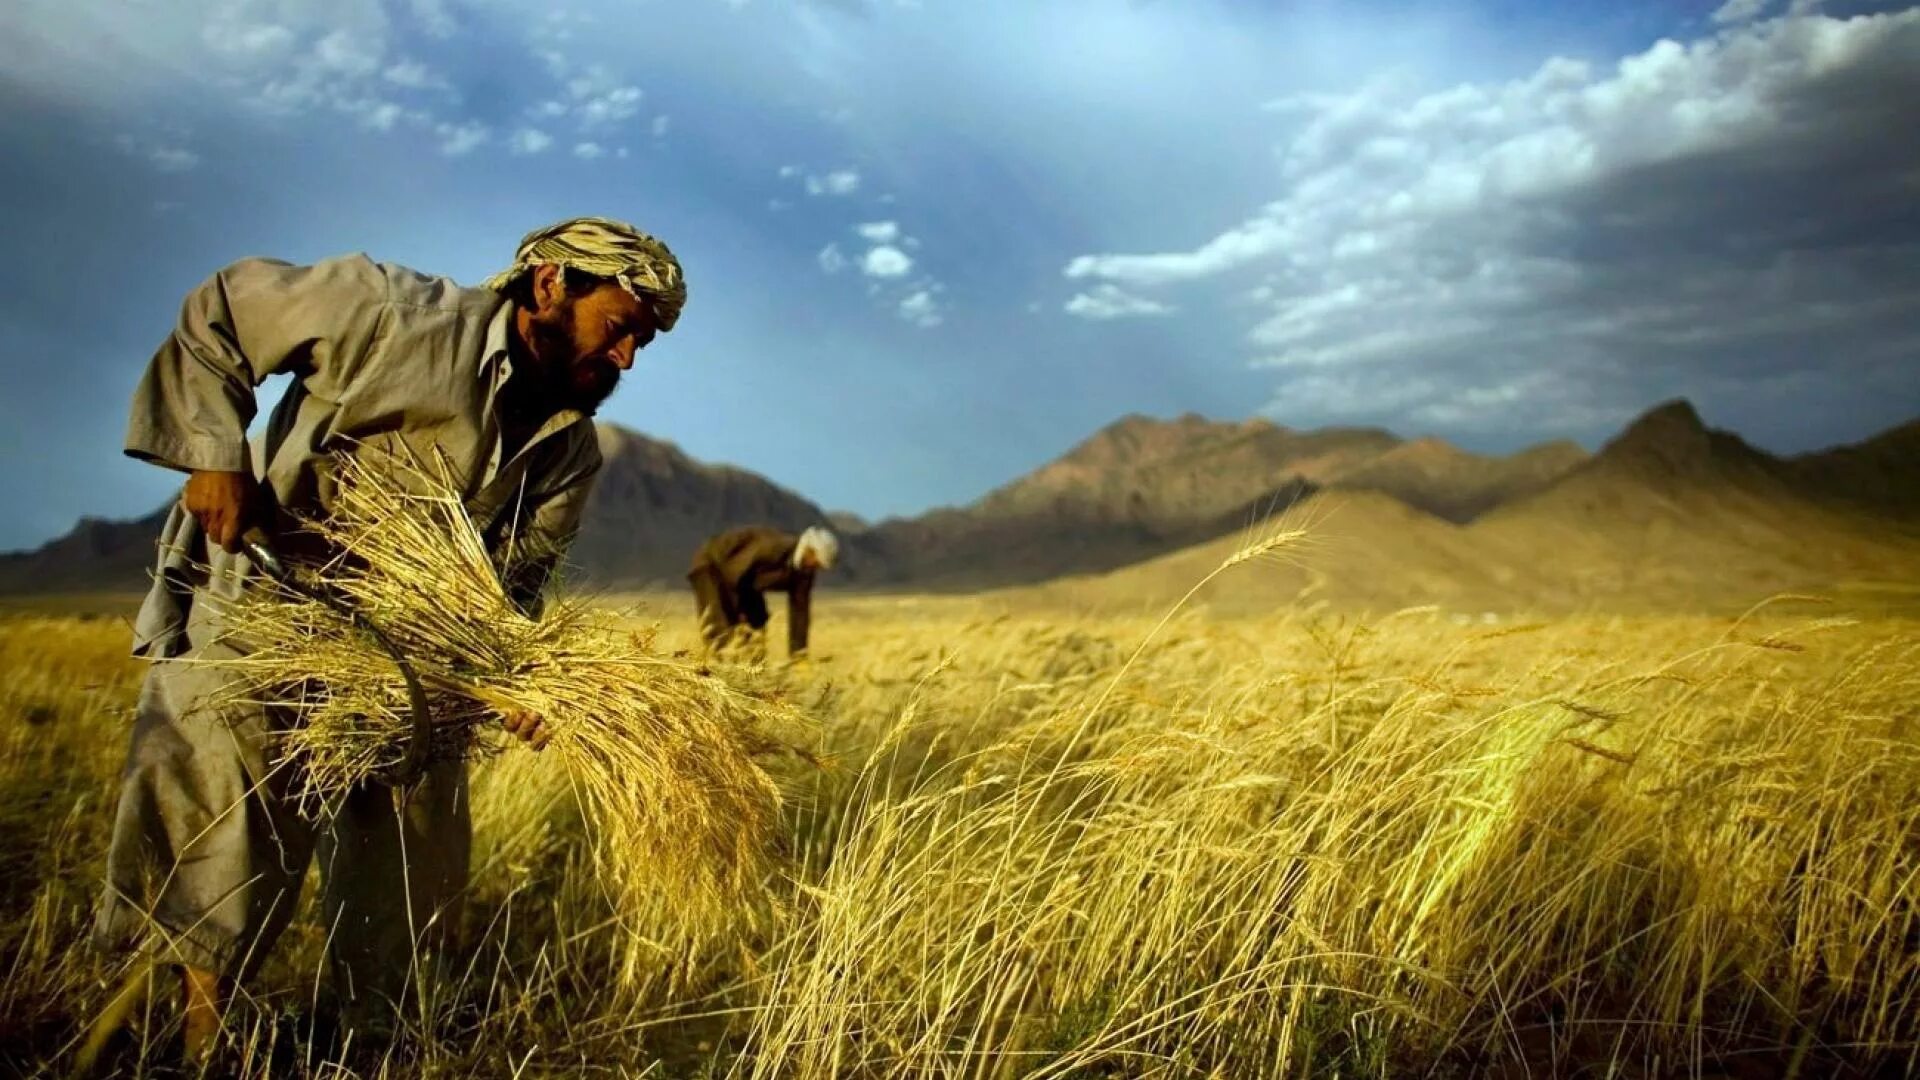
point(200, 1022)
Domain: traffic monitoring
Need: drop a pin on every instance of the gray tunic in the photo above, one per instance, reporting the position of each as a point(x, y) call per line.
point(382, 357)
point(207, 853)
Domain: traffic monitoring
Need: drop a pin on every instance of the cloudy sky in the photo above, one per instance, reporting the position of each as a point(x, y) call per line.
point(931, 244)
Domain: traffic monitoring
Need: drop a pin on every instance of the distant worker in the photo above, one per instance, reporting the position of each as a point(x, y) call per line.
point(733, 572)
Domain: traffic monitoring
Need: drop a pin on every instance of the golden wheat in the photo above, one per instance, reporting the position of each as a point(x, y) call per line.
point(1305, 844)
point(663, 756)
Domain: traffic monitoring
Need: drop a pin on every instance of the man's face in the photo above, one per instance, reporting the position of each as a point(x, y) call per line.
point(583, 341)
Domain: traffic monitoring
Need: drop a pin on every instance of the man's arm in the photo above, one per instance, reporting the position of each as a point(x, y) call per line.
point(753, 604)
point(799, 613)
point(249, 321)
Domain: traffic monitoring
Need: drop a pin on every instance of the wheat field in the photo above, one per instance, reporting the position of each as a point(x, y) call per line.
point(1042, 844)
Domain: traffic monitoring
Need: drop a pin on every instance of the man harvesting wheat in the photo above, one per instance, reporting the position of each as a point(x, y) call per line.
point(497, 387)
point(733, 572)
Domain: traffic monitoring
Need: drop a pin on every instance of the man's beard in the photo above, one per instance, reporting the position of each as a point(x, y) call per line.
point(564, 379)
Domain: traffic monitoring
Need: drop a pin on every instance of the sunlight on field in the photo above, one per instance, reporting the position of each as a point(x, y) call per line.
point(1308, 844)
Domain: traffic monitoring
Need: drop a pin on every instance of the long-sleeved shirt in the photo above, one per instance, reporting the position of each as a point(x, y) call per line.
point(383, 359)
point(750, 562)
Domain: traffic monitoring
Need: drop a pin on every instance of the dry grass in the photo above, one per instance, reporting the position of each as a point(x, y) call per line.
point(662, 755)
point(1304, 844)
point(1401, 840)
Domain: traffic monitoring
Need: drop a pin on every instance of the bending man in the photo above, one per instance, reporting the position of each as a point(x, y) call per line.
point(733, 572)
point(500, 383)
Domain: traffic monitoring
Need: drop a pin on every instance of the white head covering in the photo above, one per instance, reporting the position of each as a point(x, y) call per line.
point(819, 543)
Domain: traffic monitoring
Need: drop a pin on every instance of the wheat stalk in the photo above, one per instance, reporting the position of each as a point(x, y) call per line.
point(663, 755)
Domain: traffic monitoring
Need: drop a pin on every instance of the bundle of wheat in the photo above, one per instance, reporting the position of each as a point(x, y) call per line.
point(663, 754)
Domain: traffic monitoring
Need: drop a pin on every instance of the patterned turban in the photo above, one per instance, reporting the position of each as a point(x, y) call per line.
point(610, 249)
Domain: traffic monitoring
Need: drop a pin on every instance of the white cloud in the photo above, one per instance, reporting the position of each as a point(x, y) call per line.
point(1673, 209)
point(349, 55)
point(1109, 301)
point(556, 25)
point(921, 309)
point(837, 182)
point(886, 267)
point(529, 141)
point(286, 59)
point(291, 59)
point(661, 124)
point(612, 107)
point(886, 262)
point(165, 157)
point(834, 182)
point(1739, 11)
point(1235, 248)
point(322, 68)
point(555, 62)
point(460, 138)
point(246, 40)
point(381, 115)
point(434, 18)
point(413, 75)
point(378, 64)
point(589, 150)
point(594, 96)
point(173, 158)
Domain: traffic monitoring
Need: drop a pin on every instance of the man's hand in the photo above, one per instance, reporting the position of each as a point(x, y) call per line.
point(222, 502)
point(528, 727)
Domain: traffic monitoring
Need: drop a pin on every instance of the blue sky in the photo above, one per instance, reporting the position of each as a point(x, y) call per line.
point(930, 245)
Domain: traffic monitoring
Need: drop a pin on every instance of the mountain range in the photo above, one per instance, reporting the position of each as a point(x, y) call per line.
point(1668, 511)
point(1668, 515)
